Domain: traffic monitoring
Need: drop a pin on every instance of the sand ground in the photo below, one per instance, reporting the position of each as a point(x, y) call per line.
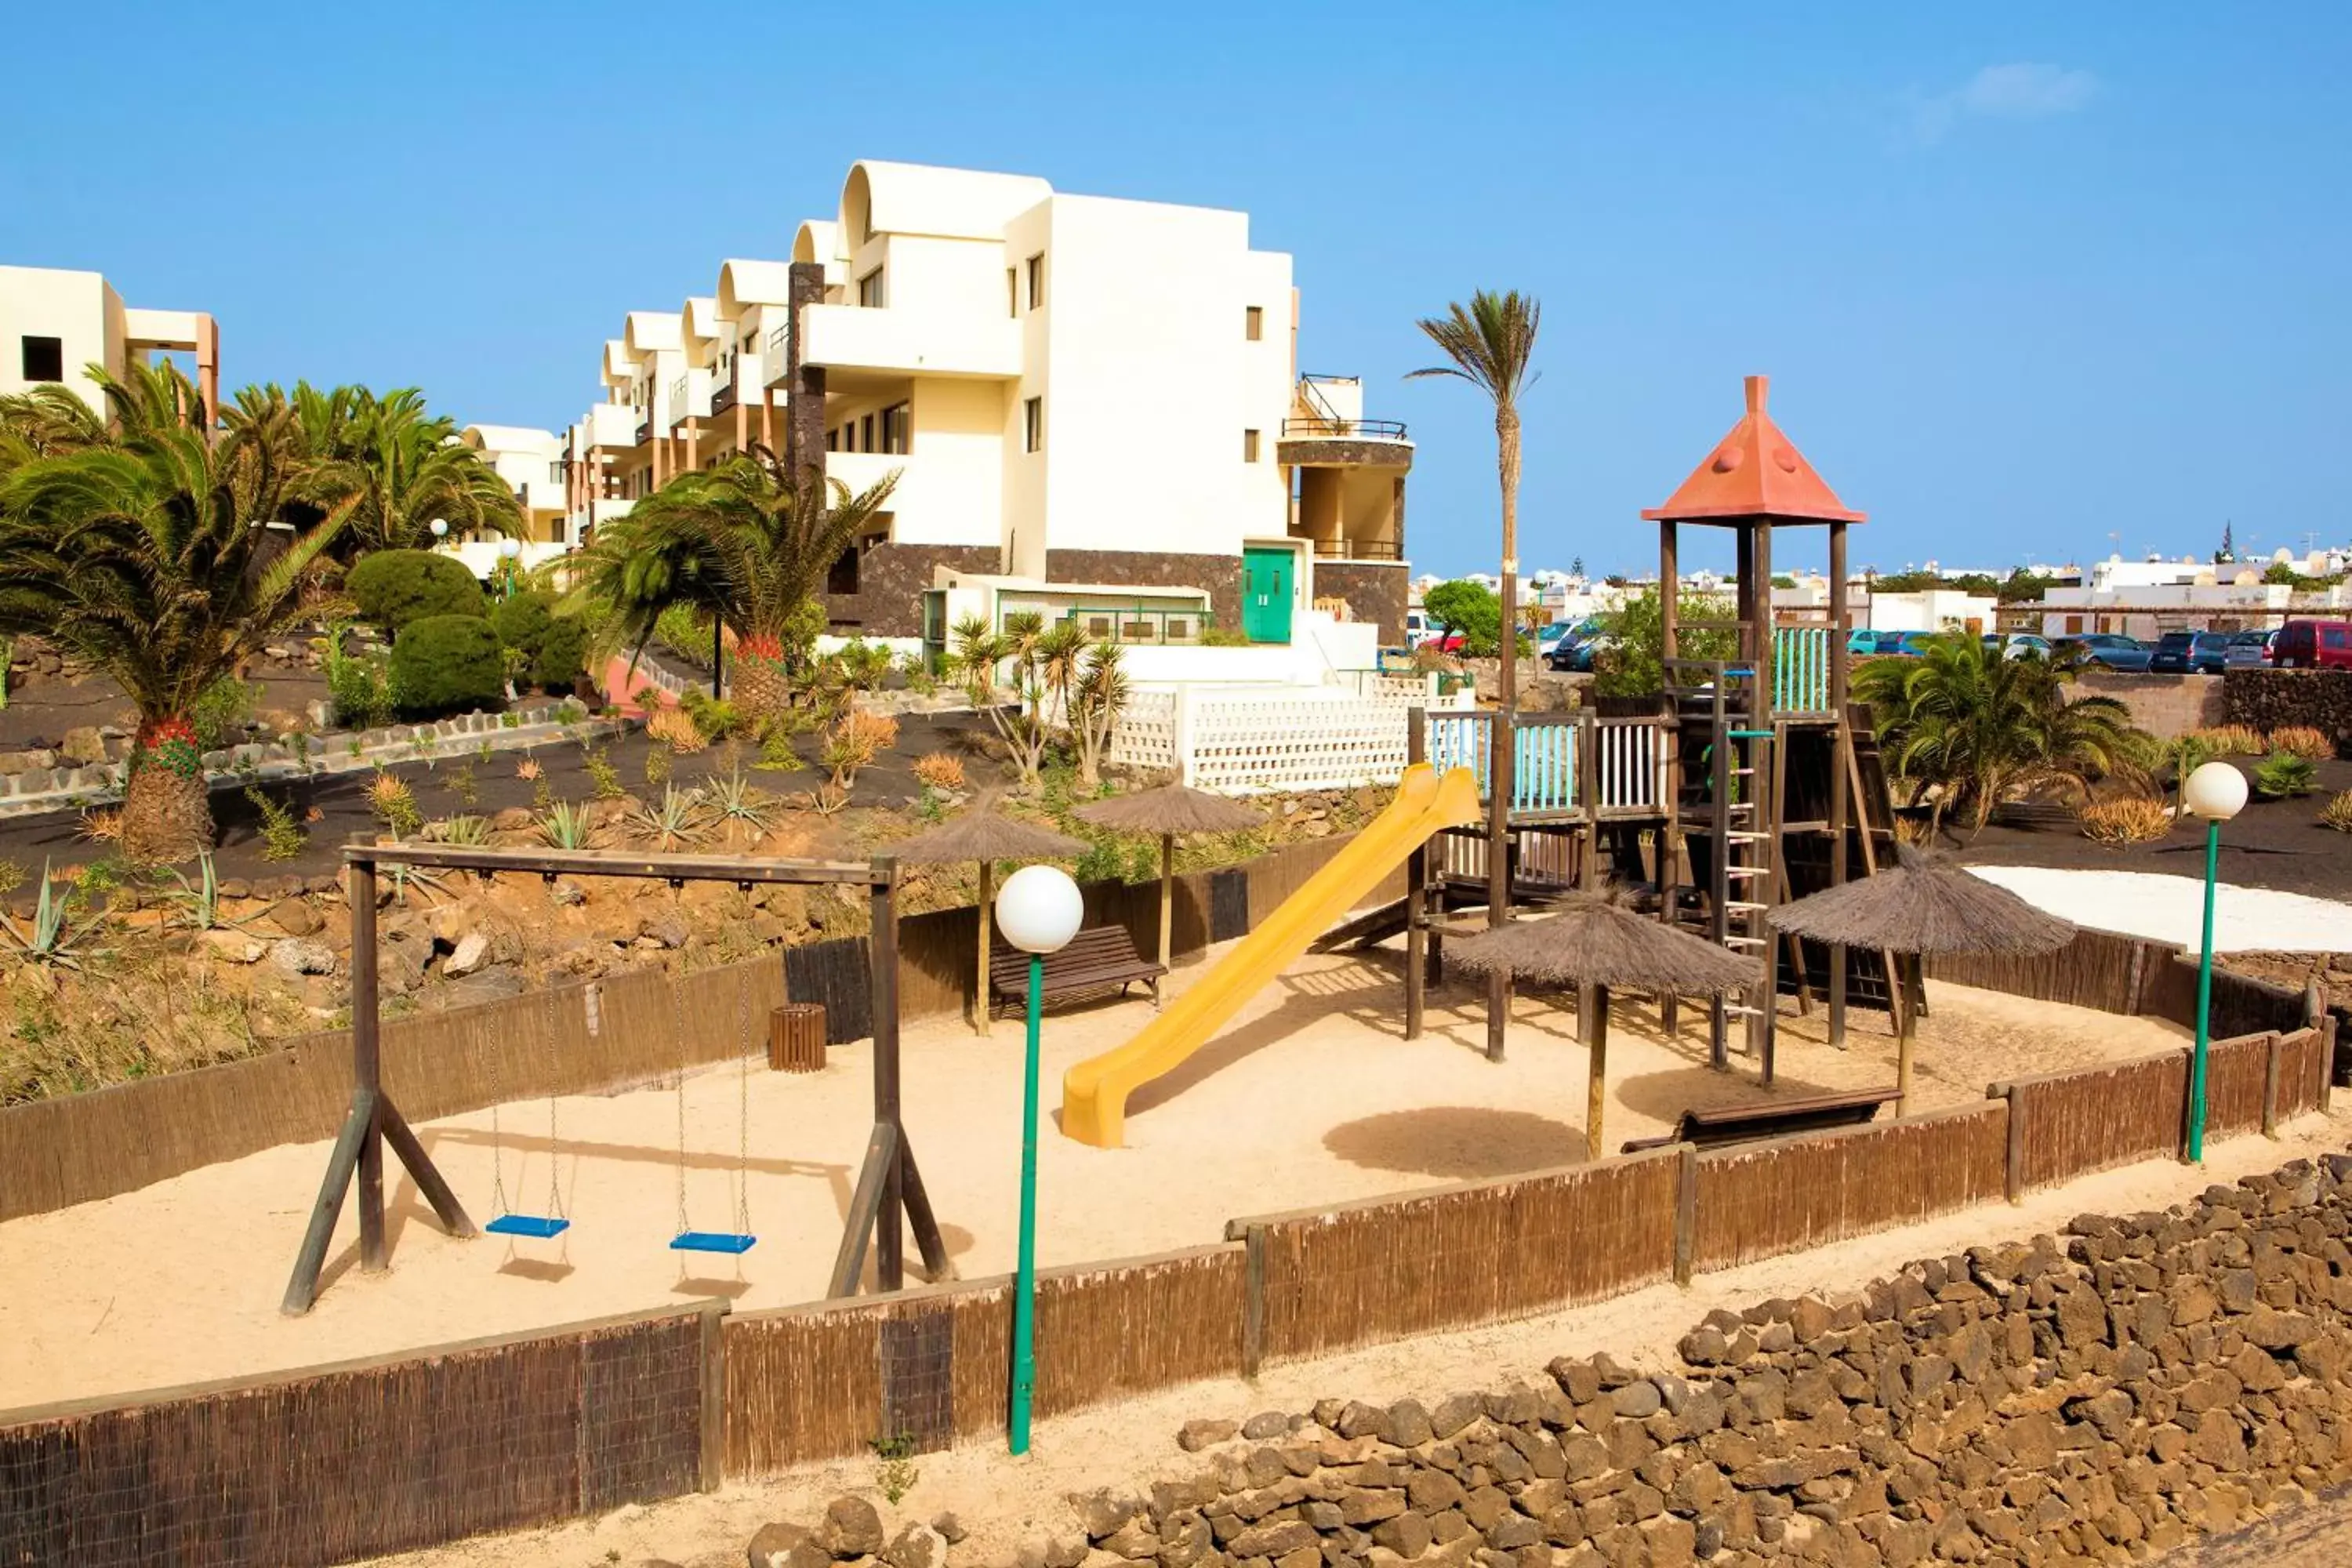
point(1004, 1501)
point(1312, 1096)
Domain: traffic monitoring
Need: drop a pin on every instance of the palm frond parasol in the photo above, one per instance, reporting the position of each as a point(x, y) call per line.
point(1923, 904)
point(986, 834)
point(1169, 810)
point(1596, 941)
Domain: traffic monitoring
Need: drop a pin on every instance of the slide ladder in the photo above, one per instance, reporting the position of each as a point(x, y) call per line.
point(1094, 1091)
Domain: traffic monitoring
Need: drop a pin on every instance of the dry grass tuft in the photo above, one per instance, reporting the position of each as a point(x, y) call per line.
point(677, 727)
point(2231, 741)
point(2303, 740)
point(939, 771)
point(2338, 813)
point(2126, 821)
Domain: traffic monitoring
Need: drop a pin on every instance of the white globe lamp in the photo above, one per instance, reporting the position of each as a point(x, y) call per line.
point(440, 526)
point(509, 547)
point(2215, 792)
point(1039, 909)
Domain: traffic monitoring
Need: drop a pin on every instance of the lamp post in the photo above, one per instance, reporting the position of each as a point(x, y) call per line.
point(440, 526)
point(510, 553)
point(2216, 791)
point(1039, 910)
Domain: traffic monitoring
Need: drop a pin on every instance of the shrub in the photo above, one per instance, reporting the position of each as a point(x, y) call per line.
point(395, 804)
point(939, 771)
point(552, 648)
point(2303, 740)
point(676, 729)
point(2338, 813)
point(602, 773)
point(2132, 820)
point(282, 838)
point(394, 587)
point(220, 711)
point(2231, 741)
point(445, 664)
point(2284, 774)
point(715, 718)
point(854, 744)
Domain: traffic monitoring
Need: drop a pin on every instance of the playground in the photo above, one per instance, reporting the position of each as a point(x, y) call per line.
point(1310, 1096)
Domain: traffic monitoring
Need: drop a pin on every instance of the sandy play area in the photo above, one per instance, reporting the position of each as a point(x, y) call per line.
point(1311, 1096)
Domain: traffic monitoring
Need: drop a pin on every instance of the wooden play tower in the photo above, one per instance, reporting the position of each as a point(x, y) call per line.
point(1769, 759)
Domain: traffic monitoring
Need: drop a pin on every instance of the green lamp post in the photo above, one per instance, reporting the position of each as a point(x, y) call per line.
point(2216, 791)
point(1039, 910)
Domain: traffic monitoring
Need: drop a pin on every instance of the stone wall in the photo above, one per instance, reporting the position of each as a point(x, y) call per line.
point(2164, 705)
point(891, 580)
point(1218, 575)
point(2095, 1397)
point(2272, 698)
point(1375, 592)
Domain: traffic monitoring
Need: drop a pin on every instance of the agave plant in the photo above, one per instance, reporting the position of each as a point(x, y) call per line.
point(566, 826)
point(198, 901)
point(674, 820)
point(465, 830)
point(736, 799)
point(53, 938)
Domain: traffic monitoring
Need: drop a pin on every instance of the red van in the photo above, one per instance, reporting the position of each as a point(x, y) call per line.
point(2313, 645)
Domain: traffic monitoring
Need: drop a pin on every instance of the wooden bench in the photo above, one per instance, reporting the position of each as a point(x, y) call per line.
point(1773, 1119)
point(1098, 959)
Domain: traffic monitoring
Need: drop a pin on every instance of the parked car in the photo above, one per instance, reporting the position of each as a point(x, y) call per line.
point(1574, 655)
point(2190, 652)
point(2313, 645)
point(2018, 645)
point(1906, 645)
point(2248, 650)
point(2111, 651)
point(1862, 639)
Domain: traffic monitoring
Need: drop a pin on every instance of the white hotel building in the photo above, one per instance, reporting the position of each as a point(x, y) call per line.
point(1091, 405)
point(56, 323)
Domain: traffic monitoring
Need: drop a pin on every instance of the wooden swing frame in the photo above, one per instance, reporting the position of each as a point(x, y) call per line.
point(888, 1185)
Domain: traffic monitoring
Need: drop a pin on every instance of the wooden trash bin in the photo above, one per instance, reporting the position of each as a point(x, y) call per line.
point(796, 1038)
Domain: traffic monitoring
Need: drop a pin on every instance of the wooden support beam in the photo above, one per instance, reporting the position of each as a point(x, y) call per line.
point(1841, 764)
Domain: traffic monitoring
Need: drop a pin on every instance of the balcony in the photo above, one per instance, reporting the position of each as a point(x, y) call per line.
point(900, 343)
point(613, 426)
point(1331, 442)
point(859, 470)
point(723, 397)
point(1357, 550)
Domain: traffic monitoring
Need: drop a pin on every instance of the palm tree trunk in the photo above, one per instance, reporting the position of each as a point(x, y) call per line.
point(166, 815)
point(1500, 785)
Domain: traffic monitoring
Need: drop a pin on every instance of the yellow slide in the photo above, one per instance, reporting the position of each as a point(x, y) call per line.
point(1094, 1091)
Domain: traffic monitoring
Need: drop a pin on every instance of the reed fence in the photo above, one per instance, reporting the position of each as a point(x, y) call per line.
point(366, 1458)
point(1760, 1200)
point(1471, 1253)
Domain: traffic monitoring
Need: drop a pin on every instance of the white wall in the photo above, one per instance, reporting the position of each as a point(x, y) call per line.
point(77, 307)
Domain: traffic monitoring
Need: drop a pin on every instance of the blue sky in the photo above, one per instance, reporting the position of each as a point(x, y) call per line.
point(2024, 276)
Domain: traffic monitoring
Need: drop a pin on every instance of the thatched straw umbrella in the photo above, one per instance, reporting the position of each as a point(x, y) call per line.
point(1924, 905)
point(1170, 810)
point(986, 834)
point(1597, 942)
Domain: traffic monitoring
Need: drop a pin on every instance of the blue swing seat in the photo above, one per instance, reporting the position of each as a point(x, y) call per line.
point(532, 1225)
point(711, 1241)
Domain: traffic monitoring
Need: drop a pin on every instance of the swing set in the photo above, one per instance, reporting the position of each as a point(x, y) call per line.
point(889, 1186)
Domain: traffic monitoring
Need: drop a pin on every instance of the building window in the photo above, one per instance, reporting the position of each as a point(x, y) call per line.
point(870, 291)
point(1037, 281)
point(45, 359)
point(866, 435)
point(1032, 425)
point(1253, 322)
point(1249, 446)
point(832, 440)
point(894, 432)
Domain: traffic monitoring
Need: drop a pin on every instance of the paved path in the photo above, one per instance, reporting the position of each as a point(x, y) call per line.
point(2317, 1536)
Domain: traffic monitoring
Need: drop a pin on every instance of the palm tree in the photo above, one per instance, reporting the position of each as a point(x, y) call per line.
point(744, 540)
point(1980, 724)
point(404, 466)
point(1492, 346)
point(146, 556)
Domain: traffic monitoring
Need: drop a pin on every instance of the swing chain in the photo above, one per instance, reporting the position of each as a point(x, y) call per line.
point(677, 1043)
point(743, 1107)
point(497, 1137)
point(547, 1040)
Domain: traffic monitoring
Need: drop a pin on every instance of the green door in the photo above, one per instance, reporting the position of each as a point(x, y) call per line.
point(1265, 594)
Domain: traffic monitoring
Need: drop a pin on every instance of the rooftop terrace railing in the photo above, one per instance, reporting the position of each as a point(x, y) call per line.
point(1321, 428)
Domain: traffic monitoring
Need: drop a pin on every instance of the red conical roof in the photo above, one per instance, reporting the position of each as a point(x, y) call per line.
point(1754, 471)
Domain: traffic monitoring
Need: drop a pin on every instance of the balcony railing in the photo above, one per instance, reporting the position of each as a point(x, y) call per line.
point(1360, 549)
point(1317, 428)
point(646, 430)
point(722, 396)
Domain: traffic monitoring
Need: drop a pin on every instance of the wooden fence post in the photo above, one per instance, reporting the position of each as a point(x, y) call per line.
point(1686, 1215)
point(1254, 1300)
point(2013, 1182)
point(2271, 1084)
point(714, 1395)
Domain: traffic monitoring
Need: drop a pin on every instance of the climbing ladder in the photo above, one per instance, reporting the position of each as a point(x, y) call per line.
point(1728, 800)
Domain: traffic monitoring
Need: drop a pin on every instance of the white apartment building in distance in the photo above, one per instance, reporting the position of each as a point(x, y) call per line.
point(1089, 402)
point(56, 323)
